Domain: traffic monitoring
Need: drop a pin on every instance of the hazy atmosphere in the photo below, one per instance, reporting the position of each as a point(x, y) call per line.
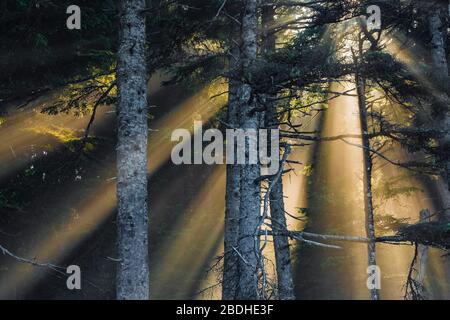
point(224, 150)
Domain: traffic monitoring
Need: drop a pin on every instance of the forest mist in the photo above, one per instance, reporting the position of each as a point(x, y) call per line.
point(98, 98)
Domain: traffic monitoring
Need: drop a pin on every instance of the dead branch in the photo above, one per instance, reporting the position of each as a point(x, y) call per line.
point(32, 262)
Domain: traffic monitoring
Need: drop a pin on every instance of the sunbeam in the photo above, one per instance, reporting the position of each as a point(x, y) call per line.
point(191, 242)
point(97, 209)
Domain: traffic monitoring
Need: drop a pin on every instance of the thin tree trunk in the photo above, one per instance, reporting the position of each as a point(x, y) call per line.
point(422, 258)
point(367, 179)
point(439, 58)
point(250, 208)
point(281, 244)
point(132, 217)
point(277, 210)
point(232, 200)
point(438, 53)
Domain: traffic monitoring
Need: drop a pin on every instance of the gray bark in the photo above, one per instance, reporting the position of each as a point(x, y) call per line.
point(277, 210)
point(250, 208)
point(437, 40)
point(367, 180)
point(439, 58)
point(281, 244)
point(422, 257)
point(232, 199)
point(132, 216)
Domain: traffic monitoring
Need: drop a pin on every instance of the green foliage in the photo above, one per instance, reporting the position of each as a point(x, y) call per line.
point(38, 51)
point(387, 224)
point(9, 199)
point(41, 41)
point(80, 98)
point(308, 170)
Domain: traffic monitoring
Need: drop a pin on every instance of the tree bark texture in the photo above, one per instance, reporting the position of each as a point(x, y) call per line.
point(132, 216)
point(439, 59)
point(232, 198)
point(250, 207)
point(367, 179)
point(277, 210)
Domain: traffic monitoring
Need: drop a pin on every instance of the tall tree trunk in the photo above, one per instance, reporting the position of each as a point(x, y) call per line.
point(281, 244)
point(277, 211)
point(232, 199)
point(367, 178)
point(439, 58)
point(250, 207)
point(132, 217)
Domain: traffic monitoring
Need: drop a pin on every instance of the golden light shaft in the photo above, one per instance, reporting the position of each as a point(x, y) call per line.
point(56, 246)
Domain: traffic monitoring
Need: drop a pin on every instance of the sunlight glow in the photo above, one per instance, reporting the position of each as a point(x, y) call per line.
point(91, 213)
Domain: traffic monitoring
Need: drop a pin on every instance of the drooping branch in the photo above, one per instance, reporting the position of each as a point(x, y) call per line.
point(95, 107)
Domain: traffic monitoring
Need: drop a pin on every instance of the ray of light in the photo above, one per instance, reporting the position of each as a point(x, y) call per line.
point(55, 246)
point(31, 134)
point(343, 192)
point(191, 241)
point(60, 242)
point(337, 206)
point(399, 46)
point(198, 107)
point(411, 55)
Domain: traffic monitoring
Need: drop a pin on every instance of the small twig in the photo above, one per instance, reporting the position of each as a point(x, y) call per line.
point(220, 9)
point(31, 262)
point(12, 151)
point(114, 259)
point(240, 256)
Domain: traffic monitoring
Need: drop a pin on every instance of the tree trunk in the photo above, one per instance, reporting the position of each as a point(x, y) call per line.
point(438, 53)
point(439, 58)
point(367, 179)
point(277, 211)
point(250, 208)
point(132, 217)
point(232, 200)
point(422, 258)
point(448, 7)
point(281, 244)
